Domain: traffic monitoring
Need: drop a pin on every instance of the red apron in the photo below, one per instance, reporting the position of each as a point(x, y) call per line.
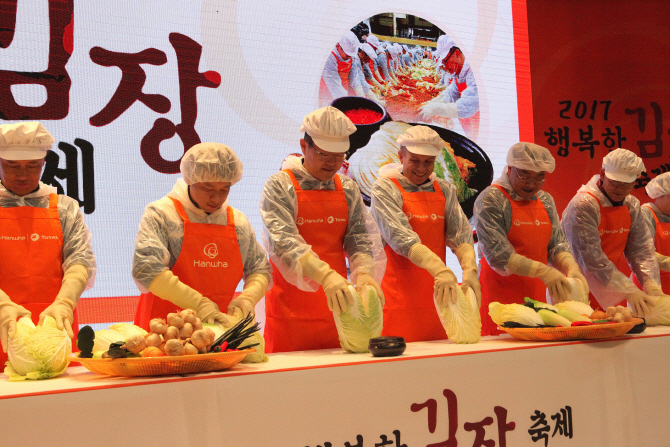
point(614, 227)
point(662, 244)
point(296, 320)
point(410, 311)
point(209, 262)
point(31, 265)
point(343, 69)
point(529, 234)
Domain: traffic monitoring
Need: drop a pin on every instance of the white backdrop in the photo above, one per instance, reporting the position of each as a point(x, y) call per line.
point(269, 55)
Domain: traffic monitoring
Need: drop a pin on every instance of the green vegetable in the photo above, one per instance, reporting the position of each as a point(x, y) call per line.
point(255, 337)
point(537, 305)
point(361, 322)
point(575, 306)
point(461, 321)
point(463, 192)
point(38, 352)
point(573, 316)
point(500, 313)
point(553, 319)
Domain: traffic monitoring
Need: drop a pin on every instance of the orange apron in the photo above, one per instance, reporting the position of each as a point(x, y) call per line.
point(614, 227)
point(343, 69)
point(31, 265)
point(296, 320)
point(662, 244)
point(410, 311)
point(209, 262)
point(529, 234)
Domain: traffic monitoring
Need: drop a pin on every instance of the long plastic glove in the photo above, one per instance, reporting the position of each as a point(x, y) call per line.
point(359, 91)
point(466, 257)
point(663, 262)
point(371, 95)
point(254, 289)
point(168, 287)
point(365, 279)
point(434, 108)
point(446, 283)
point(334, 285)
point(569, 267)
point(555, 281)
point(62, 309)
point(641, 302)
point(9, 313)
point(653, 289)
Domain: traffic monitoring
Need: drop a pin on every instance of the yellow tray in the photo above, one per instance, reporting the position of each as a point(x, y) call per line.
point(593, 332)
point(159, 366)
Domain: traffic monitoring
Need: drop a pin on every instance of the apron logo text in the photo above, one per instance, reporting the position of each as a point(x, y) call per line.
point(301, 221)
point(209, 264)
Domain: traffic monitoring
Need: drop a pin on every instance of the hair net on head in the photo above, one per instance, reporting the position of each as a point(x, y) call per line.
point(367, 49)
point(210, 162)
point(329, 128)
point(373, 40)
point(349, 43)
point(531, 156)
point(24, 141)
point(421, 140)
point(659, 186)
point(622, 165)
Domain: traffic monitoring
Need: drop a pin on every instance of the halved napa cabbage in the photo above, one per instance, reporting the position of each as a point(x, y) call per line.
point(105, 337)
point(255, 357)
point(128, 329)
point(659, 314)
point(38, 352)
point(361, 322)
point(575, 306)
point(461, 320)
point(517, 313)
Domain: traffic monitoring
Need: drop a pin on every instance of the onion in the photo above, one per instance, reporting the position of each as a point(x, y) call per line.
point(136, 344)
point(157, 326)
point(171, 334)
point(173, 347)
point(188, 315)
point(152, 351)
point(186, 331)
point(189, 349)
point(153, 339)
point(200, 339)
point(175, 320)
point(197, 325)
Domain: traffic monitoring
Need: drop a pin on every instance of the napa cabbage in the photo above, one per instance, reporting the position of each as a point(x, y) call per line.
point(361, 322)
point(128, 330)
point(659, 314)
point(461, 321)
point(575, 306)
point(255, 357)
point(105, 337)
point(500, 313)
point(38, 352)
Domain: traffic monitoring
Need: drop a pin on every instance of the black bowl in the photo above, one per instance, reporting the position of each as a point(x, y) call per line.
point(638, 328)
point(387, 346)
point(363, 132)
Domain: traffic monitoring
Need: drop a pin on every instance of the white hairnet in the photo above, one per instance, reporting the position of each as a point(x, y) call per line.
point(421, 140)
point(24, 141)
point(367, 48)
point(531, 156)
point(622, 165)
point(659, 186)
point(329, 128)
point(210, 162)
point(373, 40)
point(349, 43)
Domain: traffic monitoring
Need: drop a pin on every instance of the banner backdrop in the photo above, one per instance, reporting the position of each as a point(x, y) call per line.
point(126, 87)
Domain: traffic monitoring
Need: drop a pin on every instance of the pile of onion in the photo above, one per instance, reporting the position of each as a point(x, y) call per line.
point(181, 334)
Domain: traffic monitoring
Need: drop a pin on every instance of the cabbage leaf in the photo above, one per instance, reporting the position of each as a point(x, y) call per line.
point(361, 322)
point(461, 321)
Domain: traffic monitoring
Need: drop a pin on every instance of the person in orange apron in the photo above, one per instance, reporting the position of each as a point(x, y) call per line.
point(314, 219)
point(47, 260)
point(657, 216)
point(192, 248)
point(461, 98)
point(419, 216)
point(337, 78)
point(603, 222)
point(519, 234)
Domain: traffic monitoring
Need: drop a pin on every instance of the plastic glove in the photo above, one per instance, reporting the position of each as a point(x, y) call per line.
point(334, 285)
point(371, 95)
point(9, 313)
point(168, 287)
point(254, 289)
point(62, 309)
point(651, 288)
point(569, 267)
point(663, 262)
point(641, 302)
point(434, 109)
point(446, 284)
point(555, 281)
point(466, 257)
point(359, 91)
point(365, 279)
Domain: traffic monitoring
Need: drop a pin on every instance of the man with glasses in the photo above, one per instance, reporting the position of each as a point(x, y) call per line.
point(604, 223)
point(519, 233)
point(314, 219)
point(419, 216)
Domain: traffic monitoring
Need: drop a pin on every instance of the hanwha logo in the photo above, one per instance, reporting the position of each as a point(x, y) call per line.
point(602, 231)
point(665, 233)
point(34, 237)
point(211, 250)
point(408, 214)
point(433, 216)
point(517, 222)
point(300, 221)
point(330, 219)
point(621, 230)
point(537, 222)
